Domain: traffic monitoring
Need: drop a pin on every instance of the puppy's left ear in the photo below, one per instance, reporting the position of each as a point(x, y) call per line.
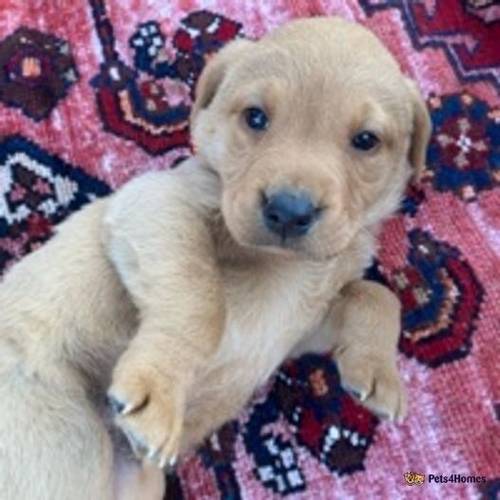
point(214, 73)
point(421, 130)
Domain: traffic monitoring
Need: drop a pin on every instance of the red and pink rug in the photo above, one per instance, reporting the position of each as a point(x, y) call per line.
point(95, 92)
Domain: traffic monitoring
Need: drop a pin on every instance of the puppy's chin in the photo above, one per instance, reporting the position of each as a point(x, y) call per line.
point(257, 239)
point(290, 248)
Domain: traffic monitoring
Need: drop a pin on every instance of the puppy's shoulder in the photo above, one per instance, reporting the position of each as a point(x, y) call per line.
point(189, 187)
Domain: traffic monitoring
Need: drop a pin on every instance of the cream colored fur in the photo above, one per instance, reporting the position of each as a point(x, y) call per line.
point(172, 294)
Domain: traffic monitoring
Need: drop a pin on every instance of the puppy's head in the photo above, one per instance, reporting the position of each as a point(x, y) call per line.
point(314, 132)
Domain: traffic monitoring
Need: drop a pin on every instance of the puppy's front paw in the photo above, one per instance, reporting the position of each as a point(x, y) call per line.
point(374, 381)
point(149, 408)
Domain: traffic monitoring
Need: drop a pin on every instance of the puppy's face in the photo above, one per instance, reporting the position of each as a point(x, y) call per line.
point(314, 133)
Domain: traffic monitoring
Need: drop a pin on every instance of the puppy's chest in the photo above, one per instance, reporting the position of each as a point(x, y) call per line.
point(269, 308)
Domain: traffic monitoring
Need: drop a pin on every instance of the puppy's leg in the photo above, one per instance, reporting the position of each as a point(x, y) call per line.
point(363, 328)
point(164, 253)
point(53, 445)
point(365, 347)
point(64, 318)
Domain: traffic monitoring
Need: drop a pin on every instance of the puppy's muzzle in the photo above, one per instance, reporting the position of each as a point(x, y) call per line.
point(289, 213)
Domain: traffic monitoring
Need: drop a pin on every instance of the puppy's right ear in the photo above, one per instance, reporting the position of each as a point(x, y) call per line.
point(421, 130)
point(213, 74)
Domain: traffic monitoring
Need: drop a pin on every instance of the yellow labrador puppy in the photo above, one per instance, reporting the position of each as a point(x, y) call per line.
point(182, 292)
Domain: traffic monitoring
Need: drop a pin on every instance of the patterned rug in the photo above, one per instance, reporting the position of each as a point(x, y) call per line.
point(95, 92)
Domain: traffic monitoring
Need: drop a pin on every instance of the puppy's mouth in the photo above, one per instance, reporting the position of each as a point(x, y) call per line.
point(305, 247)
point(283, 222)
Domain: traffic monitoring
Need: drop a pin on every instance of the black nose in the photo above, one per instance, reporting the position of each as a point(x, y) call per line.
point(289, 213)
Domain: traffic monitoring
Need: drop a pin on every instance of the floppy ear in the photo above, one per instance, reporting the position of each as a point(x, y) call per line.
point(213, 75)
point(421, 130)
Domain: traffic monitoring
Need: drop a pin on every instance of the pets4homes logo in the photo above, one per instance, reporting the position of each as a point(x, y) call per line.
point(417, 479)
point(414, 478)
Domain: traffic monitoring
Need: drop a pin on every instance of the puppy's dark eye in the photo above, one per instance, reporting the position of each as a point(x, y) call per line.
point(256, 118)
point(365, 141)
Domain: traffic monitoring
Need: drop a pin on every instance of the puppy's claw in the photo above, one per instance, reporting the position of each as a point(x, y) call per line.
point(123, 408)
point(128, 409)
point(117, 406)
point(360, 395)
point(163, 462)
point(152, 453)
point(382, 415)
point(168, 465)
